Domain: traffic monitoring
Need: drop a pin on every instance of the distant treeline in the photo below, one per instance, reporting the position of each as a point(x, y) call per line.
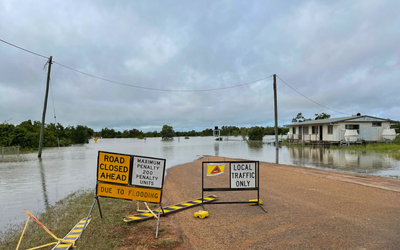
point(224, 131)
point(27, 134)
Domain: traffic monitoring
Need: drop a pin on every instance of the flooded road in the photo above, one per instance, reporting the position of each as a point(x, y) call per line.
point(27, 182)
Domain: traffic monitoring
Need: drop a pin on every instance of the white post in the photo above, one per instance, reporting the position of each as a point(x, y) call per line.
point(158, 220)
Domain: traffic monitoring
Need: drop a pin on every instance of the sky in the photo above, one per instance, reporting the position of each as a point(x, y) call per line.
point(195, 64)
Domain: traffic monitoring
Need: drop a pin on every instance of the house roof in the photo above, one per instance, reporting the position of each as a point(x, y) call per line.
point(360, 118)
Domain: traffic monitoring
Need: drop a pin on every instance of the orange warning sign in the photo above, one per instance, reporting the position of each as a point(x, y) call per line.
point(215, 169)
point(113, 167)
point(129, 192)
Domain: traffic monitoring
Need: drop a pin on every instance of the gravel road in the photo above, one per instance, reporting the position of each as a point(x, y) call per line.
point(306, 209)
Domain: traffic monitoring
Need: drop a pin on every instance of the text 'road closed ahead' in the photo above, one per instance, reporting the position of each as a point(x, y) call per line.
point(113, 168)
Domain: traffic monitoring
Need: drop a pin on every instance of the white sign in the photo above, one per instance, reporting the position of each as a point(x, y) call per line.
point(148, 172)
point(243, 175)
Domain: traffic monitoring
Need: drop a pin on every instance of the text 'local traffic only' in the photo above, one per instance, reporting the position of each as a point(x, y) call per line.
point(113, 168)
point(243, 175)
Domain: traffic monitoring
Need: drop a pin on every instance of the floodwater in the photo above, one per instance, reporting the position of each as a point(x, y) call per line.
point(27, 182)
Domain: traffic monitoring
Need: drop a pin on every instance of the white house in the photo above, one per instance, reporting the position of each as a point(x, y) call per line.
point(354, 128)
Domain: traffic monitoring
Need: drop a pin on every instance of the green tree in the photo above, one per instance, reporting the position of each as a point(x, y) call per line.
point(167, 132)
point(300, 118)
point(80, 134)
point(108, 133)
point(256, 133)
point(322, 116)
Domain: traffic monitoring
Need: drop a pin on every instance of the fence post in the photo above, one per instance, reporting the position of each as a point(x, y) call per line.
point(2, 152)
point(18, 150)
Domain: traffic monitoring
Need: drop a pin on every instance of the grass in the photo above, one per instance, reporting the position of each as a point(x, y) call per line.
point(167, 243)
point(107, 233)
point(377, 147)
point(392, 150)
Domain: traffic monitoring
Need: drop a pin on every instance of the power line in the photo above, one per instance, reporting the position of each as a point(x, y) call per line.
point(135, 86)
point(158, 89)
point(310, 99)
point(24, 49)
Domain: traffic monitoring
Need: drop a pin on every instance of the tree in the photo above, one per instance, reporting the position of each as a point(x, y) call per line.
point(80, 134)
point(322, 116)
point(167, 132)
point(300, 118)
point(256, 133)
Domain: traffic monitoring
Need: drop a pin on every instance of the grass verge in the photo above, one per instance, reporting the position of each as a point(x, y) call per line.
point(107, 233)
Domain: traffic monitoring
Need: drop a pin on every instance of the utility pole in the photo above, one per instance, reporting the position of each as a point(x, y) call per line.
point(45, 107)
point(276, 115)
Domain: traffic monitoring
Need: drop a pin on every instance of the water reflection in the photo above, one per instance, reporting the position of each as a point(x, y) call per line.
point(216, 148)
point(32, 184)
point(42, 175)
point(168, 150)
point(255, 145)
point(341, 159)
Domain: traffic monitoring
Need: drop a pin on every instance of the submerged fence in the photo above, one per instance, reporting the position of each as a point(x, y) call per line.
point(13, 150)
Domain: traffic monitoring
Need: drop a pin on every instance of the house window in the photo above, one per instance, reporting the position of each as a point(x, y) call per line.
point(377, 124)
point(305, 131)
point(353, 127)
point(314, 129)
point(294, 130)
point(330, 129)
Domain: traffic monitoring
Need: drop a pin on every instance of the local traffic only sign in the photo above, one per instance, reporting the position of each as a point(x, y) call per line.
point(243, 175)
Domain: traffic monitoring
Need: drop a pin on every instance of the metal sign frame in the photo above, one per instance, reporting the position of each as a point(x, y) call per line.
point(130, 172)
point(256, 188)
point(128, 186)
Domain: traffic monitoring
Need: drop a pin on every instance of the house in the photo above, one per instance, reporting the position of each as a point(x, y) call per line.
point(334, 130)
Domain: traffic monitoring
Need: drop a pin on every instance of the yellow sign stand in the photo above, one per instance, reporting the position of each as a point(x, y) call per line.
point(68, 242)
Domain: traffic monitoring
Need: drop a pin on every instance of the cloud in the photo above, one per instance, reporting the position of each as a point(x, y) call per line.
point(342, 55)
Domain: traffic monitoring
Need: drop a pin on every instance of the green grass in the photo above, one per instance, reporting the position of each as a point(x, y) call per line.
point(166, 243)
point(107, 233)
point(377, 147)
point(392, 150)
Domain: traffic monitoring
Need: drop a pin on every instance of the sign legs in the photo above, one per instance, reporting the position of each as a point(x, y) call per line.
point(158, 220)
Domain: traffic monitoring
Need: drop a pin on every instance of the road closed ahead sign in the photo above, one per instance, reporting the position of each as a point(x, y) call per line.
point(243, 174)
point(113, 168)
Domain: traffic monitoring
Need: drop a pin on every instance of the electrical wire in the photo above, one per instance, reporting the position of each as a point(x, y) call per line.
point(135, 86)
point(310, 99)
point(24, 49)
point(158, 89)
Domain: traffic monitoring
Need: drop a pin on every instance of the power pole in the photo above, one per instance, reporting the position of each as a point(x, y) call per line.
point(276, 115)
point(45, 107)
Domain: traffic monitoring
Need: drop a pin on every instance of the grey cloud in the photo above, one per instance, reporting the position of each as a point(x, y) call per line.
point(341, 54)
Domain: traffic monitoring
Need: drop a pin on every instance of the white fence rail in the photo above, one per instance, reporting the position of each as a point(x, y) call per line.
point(13, 150)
